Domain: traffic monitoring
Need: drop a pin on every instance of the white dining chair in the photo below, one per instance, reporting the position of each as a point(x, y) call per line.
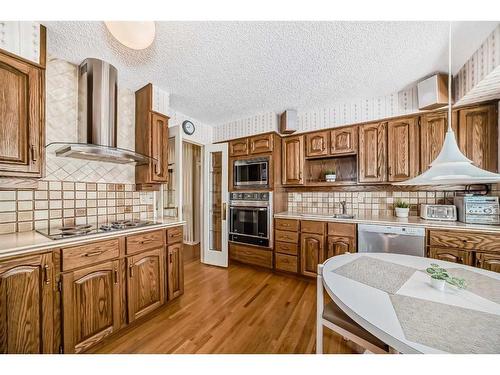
point(332, 317)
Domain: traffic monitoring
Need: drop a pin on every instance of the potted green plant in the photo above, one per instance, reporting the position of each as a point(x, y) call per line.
point(402, 208)
point(440, 277)
point(330, 175)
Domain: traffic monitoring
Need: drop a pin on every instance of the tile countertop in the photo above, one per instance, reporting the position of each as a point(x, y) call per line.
point(20, 243)
point(392, 220)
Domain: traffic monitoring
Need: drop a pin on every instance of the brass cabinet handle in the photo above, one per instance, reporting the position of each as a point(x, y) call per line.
point(224, 211)
point(46, 274)
point(170, 258)
point(131, 270)
point(390, 171)
point(115, 274)
point(33, 153)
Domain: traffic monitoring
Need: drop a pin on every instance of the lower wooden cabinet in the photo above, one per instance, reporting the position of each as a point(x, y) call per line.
point(339, 245)
point(450, 255)
point(312, 247)
point(26, 305)
point(175, 271)
point(488, 261)
point(145, 282)
point(91, 303)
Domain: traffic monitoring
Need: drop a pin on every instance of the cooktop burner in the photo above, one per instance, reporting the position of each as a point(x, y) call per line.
point(83, 230)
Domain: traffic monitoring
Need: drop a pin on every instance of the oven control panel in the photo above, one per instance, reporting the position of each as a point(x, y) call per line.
point(249, 196)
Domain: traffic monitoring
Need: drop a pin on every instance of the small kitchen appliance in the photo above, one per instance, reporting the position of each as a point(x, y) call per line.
point(478, 209)
point(443, 212)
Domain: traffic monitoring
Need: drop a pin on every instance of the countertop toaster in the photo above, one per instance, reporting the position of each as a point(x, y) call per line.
point(478, 209)
point(445, 212)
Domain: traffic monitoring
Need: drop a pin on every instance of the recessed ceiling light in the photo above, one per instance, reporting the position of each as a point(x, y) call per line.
point(133, 34)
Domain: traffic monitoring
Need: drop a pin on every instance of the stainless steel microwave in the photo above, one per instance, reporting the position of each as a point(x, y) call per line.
point(251, 172)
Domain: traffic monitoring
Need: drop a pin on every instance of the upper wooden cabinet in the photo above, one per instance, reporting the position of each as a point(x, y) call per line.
point(238, 147)
point(91, 305)
point(292, 160)
point(344, 141)
point(22, 118)
point(478, 135)
point(26, 305)
point(433, 128)
point(318, 144)
point(402, 149)
point(373, 152)
point(261, 143)
point(151, 139)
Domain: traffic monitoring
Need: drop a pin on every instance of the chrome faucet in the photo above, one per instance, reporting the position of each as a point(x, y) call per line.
point(344, 211)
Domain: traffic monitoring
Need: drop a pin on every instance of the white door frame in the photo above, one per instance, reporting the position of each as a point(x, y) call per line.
point(217, 258)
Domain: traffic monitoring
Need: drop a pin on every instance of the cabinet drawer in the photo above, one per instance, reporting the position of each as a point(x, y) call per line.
point(316, 227)
point(144, 241)
point(465, 240)
point(92, 253)
point(284, 236)
point(342, 229)
point(174, 235)
point(287, 224)
point(286, 263)
point(286, 248)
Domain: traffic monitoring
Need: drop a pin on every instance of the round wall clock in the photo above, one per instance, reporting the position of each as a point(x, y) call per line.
point(188, 127)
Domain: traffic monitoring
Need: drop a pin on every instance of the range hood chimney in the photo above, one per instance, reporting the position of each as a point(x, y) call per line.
point(97, 115)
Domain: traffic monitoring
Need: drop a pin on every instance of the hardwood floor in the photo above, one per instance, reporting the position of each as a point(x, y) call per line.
point(236, 310)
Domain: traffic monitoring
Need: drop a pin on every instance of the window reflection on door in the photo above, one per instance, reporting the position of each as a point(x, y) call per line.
point(215, 236)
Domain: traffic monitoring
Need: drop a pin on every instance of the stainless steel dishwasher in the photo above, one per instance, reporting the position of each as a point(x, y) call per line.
point(391, 239)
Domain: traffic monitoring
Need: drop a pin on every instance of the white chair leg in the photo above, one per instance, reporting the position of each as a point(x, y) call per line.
point(319, 310)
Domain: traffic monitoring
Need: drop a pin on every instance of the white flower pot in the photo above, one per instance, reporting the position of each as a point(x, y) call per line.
point(330, 177)
point(438, 284)
point(402, 212)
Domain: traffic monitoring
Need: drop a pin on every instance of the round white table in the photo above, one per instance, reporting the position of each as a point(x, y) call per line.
point(373, 308)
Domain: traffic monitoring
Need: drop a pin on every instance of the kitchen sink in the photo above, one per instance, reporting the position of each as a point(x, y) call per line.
point(343, 216)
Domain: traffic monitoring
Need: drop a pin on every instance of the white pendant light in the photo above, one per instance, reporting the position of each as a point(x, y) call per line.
point(133, 34)
point(451, 167)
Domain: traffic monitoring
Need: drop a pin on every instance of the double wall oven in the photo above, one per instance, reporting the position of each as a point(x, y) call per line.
point(250, 218)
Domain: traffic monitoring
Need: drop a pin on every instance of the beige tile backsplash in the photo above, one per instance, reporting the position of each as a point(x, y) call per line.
point(57, 203)
point(380, 203)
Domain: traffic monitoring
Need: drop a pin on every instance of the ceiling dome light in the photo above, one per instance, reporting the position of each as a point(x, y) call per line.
point(132, 34)
point(451, 166)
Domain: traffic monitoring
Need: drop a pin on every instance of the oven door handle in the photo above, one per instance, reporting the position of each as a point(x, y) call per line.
point(249, 208)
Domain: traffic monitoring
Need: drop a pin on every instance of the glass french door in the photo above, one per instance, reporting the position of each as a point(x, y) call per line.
point(215, 195)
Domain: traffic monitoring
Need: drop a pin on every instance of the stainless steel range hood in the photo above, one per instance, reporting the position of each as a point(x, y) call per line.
point(97, 110)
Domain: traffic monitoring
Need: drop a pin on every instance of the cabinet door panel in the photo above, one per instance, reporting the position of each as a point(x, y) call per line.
point(91, 305)
point(26, 305)
point(261, 144)
point(344, 141)
point(159, 144)
point(488, 261)
point(450, 255)
point(238, 147)
point(311, 253)
point(293, 160)
point(146, 280)
point(403, 149)
point(339, 245)
point(433, 128)
point(21, 118)
point(477, 131)
point(317, 144)
point(372, 153)
point(175, 266)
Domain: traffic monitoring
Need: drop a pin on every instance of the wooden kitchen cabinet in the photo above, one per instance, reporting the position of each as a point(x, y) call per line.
point(433, 127)
point(344, 141)
point(91, 303)
point(151, 139)
point(26, 305)
point(478, 135)
point(450, 255)
point(338, 245)
point(488, 261)
point(175, 272)
point(146, 281)
point(318, 144)
point(22, 118)
point(260, 144)
point(238, 147)
point(373, 152)
point(403, 149)
point(293, 160)
point(312, 247)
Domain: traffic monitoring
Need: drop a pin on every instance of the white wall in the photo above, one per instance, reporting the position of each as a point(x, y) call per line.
point(203, 134)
